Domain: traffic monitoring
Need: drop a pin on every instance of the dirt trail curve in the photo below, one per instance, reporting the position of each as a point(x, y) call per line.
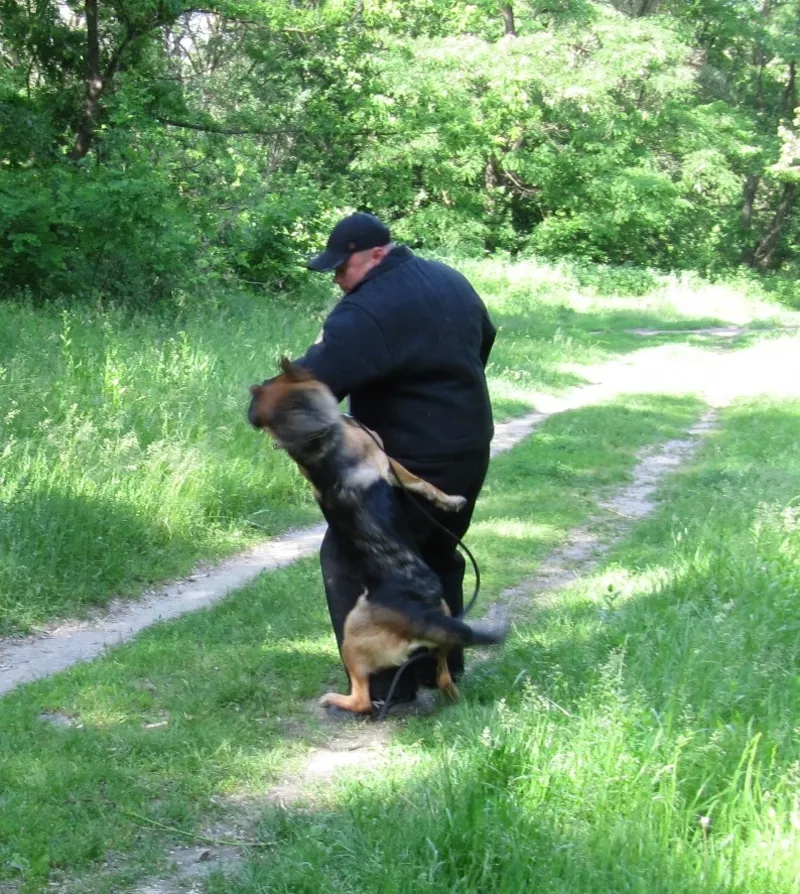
point(666, 368)
point(365, 747)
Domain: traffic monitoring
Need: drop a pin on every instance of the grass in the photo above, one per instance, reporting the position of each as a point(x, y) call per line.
point(125, 457)
point(638, 734)
point(216, 704)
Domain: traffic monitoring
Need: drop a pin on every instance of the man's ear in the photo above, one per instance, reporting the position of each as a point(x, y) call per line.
point(293, 372)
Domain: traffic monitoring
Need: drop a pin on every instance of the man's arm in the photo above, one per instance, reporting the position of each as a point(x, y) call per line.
point(489, 334)
point(351, 352)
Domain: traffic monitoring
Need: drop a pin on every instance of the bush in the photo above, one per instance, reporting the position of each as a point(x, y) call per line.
point(94, 231)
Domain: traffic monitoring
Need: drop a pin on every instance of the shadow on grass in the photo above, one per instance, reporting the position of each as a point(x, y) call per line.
point(783, 289)
point(493, 818)
point(159, 726)
point(52, 538)
point(63, 553)
point(463, 826)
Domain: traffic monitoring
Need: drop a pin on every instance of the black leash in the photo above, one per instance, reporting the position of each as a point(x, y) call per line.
point(459, 542)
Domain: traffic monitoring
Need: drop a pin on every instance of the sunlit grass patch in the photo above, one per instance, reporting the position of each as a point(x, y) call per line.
point(217, 703)
point(596, 296)
point(127, 455)
point(639, 734)
point(549, 483)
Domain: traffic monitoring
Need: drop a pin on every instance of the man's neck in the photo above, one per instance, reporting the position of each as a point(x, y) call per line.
point(397, 255)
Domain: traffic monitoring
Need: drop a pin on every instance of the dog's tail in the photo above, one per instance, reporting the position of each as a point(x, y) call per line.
point(446, 631)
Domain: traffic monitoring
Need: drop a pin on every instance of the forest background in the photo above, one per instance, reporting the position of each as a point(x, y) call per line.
point(157, 151)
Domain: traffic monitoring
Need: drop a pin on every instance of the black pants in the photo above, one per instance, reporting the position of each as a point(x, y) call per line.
point(461, 475)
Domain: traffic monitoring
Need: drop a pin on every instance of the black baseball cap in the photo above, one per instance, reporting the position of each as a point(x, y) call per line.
point(357, 232)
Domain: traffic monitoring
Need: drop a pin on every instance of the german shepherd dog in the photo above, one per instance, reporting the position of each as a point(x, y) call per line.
point(401, 609)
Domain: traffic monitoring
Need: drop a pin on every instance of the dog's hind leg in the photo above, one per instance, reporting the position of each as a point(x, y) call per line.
point(358, 701)
point(444, 680)
point(356, 660)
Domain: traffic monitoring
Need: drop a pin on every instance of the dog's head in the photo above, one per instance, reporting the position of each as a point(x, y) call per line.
point(294, 407)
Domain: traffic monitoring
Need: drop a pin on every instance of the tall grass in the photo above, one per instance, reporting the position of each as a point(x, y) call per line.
point(638, 735)
point(125, 456)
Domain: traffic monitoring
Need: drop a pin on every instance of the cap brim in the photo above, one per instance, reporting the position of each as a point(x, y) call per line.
point(326, 260)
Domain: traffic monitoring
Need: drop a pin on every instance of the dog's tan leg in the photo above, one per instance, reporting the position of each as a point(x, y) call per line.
point(443, 679)
point(358, 701)
point(425, 489)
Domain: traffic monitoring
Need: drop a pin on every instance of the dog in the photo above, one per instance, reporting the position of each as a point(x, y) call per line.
point(401, 609)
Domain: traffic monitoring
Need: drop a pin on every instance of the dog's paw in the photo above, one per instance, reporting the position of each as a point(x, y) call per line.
point(348, 703)
point(453, 504)
point(450, 692)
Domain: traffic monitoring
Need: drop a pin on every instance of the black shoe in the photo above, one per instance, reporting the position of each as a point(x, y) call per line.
point(419, 706)
point(342, 715)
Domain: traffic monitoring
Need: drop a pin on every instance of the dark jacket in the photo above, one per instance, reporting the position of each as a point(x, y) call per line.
point(409, 345)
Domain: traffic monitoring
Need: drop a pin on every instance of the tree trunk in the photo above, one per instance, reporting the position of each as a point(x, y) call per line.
point(509, 28)
point(762, 62)
point(94, 85)
point(764, 252)
point(789, 98)
point(97, 81)
point(750, 190)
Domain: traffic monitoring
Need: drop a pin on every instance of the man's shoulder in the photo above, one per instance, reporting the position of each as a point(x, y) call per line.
point(410, 267)
point(411, 280)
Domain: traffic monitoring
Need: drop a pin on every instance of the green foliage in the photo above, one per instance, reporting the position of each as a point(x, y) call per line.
point(94, 232)
point(222, 143)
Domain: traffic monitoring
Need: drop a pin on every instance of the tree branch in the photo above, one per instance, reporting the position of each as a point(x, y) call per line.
point(239, 132)
point(224, 131)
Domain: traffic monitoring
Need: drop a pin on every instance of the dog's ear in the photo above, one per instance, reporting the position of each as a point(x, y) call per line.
point(255, 390)
point(293, 372)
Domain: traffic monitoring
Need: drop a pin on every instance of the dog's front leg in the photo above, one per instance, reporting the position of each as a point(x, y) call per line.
point(430, 492)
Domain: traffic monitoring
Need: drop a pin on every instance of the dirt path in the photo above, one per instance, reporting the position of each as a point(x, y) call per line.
point(717, 331)
point(717, 376)
point(364, 747)
point(587, 545)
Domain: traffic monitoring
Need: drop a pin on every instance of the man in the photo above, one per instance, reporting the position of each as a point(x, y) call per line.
point(408, 343)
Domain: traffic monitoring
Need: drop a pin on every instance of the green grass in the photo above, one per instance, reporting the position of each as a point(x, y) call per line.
point(638, 734)
point(124, 453)
point(584, 756)
point(229, 689)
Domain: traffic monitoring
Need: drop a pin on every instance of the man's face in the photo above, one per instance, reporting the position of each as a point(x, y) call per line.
point(357, 266)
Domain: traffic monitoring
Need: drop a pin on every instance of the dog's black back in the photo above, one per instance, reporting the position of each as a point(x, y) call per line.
point(375, 537)
point(364, 514)
point(369, 525)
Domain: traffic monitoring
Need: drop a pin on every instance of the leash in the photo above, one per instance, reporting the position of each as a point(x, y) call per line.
point(459, 542)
